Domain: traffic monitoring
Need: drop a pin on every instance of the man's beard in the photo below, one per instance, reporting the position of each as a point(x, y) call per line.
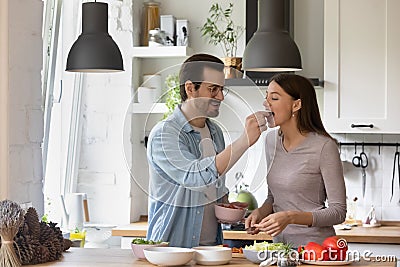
point(207, 107)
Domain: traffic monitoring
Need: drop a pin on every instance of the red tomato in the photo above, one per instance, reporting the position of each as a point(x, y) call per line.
point(315, 252)
point(335, 242)
point(337, 248)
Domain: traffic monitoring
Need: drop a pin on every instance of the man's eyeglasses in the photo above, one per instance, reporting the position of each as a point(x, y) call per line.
point(215, 89)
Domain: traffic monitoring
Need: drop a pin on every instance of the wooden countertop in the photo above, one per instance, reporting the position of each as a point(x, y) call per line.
point(139, 229)
point(387, 234)
point(382, 234)
point(89, 257)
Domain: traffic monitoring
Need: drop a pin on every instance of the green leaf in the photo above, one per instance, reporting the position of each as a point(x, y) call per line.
point(220, 29)
point(173, 97)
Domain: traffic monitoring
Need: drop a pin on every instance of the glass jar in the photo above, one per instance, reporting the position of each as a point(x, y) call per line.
point(151, 20)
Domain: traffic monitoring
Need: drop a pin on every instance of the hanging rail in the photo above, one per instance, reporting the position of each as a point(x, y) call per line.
point(367, 144)
point(363, 144)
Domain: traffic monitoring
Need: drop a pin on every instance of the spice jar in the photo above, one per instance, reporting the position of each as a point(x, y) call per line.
point(151, 20)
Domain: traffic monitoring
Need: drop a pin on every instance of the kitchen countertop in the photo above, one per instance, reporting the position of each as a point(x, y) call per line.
point(383, 234)
point(387, 234)
point(89, 257)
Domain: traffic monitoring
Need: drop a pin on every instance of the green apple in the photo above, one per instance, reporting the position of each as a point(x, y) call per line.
point(247, 197)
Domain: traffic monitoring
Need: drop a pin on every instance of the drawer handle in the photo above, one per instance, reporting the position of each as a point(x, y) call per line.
point(362, 125)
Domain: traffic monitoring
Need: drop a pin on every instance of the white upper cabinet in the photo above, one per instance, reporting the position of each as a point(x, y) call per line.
point(362, 66)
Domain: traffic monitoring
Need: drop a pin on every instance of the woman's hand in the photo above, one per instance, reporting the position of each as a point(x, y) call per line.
point(251, 220)
point(274, 223)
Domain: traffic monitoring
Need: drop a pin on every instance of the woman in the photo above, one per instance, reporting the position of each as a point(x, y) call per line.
point(305, 171)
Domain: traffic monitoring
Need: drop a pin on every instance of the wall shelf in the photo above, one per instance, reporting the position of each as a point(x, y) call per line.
point(161, 51)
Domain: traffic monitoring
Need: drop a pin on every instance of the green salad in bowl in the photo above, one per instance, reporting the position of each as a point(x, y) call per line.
point(138, 244)
point(266, 246)
point(141, 241)
point(259, 252)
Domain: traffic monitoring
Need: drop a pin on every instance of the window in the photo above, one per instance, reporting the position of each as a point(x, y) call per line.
point(62, 106)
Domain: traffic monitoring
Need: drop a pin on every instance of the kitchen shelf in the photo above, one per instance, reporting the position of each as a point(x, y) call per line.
point(148, 108)
point(161, 51)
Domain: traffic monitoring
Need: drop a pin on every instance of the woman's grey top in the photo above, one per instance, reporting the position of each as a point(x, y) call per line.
point(308, 178)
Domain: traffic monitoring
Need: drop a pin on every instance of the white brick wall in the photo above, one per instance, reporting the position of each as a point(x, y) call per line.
point(25, 113)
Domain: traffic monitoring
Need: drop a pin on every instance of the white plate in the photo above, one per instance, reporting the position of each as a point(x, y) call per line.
point(371, 225)
point(329, 263)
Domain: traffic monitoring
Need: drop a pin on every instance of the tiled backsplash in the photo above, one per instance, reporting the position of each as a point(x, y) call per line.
point(379, 174)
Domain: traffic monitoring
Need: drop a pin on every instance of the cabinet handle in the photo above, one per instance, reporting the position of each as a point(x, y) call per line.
point(362, 125)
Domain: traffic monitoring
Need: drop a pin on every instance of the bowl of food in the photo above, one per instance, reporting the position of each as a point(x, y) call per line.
point(139, 244)
point(230, 212)
point(168, 256)
point(262, 251)
point(212, 255)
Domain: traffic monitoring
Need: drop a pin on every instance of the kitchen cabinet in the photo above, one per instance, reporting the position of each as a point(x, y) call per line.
point(362, 63)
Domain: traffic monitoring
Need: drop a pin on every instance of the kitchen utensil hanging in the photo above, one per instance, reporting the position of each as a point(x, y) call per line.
point(396, 161)
point(361, 161)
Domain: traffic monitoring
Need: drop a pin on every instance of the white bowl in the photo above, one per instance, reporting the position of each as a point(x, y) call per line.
point(137, 249)
point(212, 255)
point(168, 256)
point(258, 256)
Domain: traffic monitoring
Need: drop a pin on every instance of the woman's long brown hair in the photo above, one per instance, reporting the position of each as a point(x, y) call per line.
point(299, 87)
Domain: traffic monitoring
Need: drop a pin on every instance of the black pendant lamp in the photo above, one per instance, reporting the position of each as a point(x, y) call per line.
point(94, 50)
point(271, 49)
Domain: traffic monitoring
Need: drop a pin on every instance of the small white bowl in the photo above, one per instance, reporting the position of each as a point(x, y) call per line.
point(212, 255)
point(137, 249)
point(255, 256)
point(168, 256)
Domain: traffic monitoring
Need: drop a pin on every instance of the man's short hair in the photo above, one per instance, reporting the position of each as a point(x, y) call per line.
point(193, 69)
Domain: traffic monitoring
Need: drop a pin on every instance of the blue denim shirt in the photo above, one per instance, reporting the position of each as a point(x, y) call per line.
point(178, 177)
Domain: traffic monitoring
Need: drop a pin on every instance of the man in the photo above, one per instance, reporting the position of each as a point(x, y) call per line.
point(188, 159)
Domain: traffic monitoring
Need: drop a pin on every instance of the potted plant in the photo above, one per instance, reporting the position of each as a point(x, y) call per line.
point(173, 96)
point(220, 29)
